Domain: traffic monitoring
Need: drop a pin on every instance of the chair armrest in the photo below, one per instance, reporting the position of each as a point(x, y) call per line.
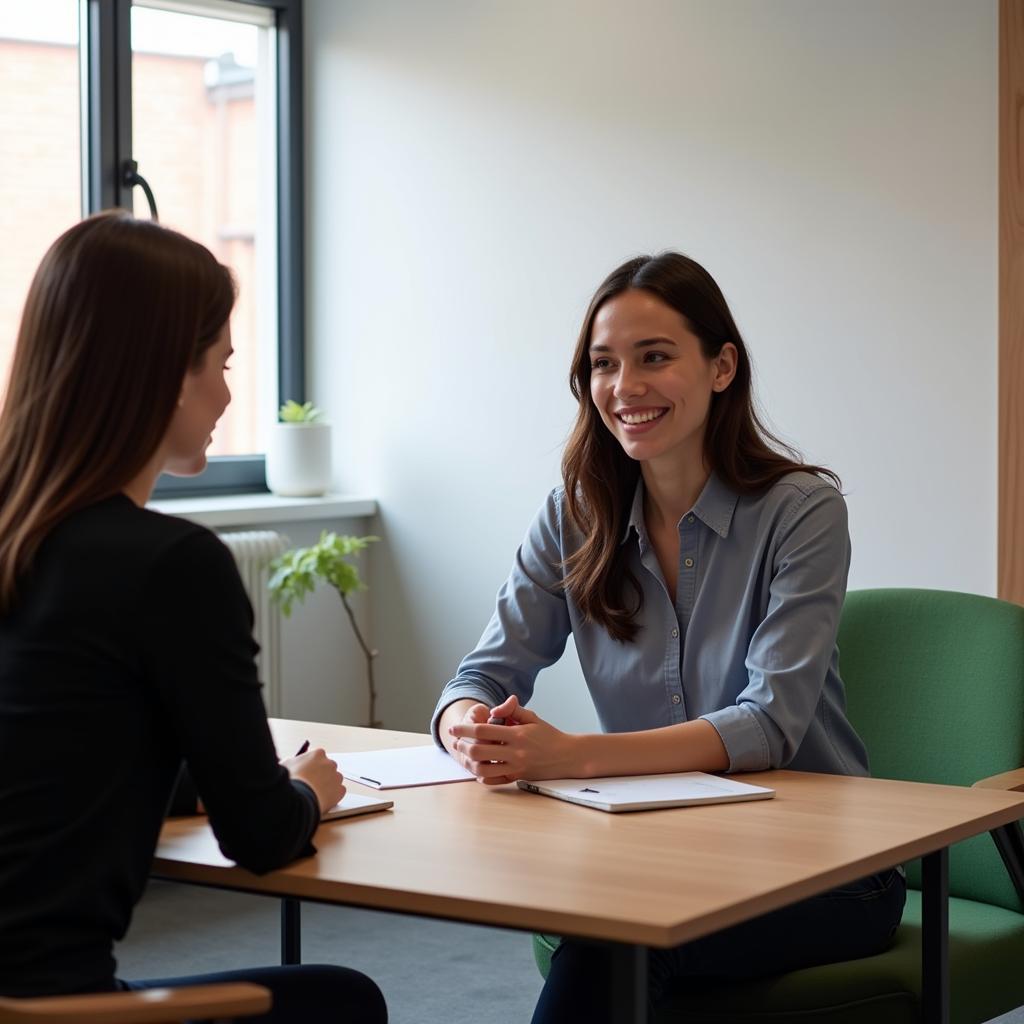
point(1007, 780)
point(149, 1006)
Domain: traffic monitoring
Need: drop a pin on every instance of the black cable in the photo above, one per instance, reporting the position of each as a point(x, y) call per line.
point(133, 178)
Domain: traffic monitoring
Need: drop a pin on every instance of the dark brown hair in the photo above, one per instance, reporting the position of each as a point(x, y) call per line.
point(117, 313)
point(600, 479)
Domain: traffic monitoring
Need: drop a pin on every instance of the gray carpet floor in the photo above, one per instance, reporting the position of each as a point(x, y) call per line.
point(429, 971)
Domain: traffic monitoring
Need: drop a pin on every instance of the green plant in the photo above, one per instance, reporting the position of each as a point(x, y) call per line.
point(292, 412)
point(297, 572)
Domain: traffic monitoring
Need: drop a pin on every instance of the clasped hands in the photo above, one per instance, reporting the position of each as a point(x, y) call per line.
point(525, 747)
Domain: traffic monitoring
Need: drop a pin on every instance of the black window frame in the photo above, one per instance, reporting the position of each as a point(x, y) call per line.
point(107, 147)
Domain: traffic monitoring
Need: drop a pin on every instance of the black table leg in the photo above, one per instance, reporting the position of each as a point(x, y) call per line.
point(935, 937)
point(291, 932)
point(629, 984)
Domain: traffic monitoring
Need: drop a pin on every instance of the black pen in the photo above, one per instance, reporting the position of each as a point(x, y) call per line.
point(496, 721)
point(303, 748)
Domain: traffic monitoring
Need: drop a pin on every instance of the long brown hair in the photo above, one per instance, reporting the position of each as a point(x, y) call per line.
point(600, 479)
point(117, 313)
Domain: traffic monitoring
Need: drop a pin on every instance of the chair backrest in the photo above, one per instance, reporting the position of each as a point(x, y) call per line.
point(935, 688)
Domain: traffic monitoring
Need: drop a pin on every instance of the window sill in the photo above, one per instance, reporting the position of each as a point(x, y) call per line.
point(258, 509)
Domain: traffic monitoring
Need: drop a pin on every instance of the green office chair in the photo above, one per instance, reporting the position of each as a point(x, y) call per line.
point(935, 687)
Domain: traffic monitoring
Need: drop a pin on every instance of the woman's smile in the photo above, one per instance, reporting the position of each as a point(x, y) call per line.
point(641, 420)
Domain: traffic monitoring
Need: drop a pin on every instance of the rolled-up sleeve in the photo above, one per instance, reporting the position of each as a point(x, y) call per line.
point(790, 650)
point(529, 627)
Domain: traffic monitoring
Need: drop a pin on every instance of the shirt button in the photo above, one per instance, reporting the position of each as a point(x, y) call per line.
point(688, 563)
point(676, 699)
point(675, 633)
point(689, 519)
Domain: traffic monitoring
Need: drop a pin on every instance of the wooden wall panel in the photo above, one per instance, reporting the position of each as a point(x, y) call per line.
point(1011, 301)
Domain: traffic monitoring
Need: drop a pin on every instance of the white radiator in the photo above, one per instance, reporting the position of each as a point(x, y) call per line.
point(254, 550)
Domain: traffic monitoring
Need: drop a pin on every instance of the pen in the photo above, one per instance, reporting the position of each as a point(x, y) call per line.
point(496, 721)
point(303, 748)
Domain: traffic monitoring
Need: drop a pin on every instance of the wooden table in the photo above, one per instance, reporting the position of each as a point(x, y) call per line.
point(506, 858)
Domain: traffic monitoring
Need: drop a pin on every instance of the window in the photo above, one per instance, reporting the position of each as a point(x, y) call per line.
point(202, 128)
point(40, 149)
point(197, 105)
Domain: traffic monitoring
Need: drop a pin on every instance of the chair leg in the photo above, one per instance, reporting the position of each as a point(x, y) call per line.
point(1009, 842)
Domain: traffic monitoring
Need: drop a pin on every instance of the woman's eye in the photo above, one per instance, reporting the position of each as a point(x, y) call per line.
point(655, 357)
point(600, 364)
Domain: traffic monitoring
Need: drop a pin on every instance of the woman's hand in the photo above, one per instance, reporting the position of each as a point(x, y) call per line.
point(320, 773)
point(525, 747)
point(469, 713)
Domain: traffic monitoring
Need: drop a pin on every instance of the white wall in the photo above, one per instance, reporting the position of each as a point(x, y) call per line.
point(476, 167)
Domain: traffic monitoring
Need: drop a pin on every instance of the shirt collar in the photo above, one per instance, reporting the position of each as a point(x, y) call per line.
point(714, 508)
point(636, 513)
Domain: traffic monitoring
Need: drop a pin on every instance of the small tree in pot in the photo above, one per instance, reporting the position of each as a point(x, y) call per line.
point(297, 572)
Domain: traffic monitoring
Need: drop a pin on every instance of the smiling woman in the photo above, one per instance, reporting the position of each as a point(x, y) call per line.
point(668, 314)
point(649, 374)
point(652, 385)
point(700, 568)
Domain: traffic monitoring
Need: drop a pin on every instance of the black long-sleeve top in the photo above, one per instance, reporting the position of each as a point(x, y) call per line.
point(129, 650)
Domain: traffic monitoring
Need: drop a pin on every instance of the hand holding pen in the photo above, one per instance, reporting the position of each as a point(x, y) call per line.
point(319, 772)
point(524, 746)
point(506, 713)
point(478, 745)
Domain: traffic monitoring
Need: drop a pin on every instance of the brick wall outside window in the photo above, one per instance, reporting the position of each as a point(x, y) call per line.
point(196, 146)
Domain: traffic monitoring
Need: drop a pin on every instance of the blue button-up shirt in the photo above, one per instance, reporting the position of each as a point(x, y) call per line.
point(749, 644)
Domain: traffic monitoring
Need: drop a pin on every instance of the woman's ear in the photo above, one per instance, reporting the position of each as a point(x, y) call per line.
point(725, 367)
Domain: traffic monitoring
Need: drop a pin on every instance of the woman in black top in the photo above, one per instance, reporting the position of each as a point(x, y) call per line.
point(126, 636)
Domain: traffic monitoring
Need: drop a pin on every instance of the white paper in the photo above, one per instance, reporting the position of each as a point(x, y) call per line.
point(355, 803)
point(400, 767)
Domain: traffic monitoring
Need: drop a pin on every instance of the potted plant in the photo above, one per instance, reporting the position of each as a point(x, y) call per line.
point(299, 452)
point(297, 572)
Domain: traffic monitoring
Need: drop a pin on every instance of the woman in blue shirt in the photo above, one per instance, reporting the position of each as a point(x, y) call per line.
point(701, 570)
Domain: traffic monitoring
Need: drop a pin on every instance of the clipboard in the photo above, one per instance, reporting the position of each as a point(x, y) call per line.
point(352, 804)
point(615, 794)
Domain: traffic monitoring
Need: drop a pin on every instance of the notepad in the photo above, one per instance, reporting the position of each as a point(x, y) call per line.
point(648, 792)
point(354, 803)
point(400, 767)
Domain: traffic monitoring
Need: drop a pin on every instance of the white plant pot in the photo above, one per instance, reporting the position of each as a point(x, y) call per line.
point(299, 459)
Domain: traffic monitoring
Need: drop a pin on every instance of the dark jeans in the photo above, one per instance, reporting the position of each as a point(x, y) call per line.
point(307, 994)
point(856, 920)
